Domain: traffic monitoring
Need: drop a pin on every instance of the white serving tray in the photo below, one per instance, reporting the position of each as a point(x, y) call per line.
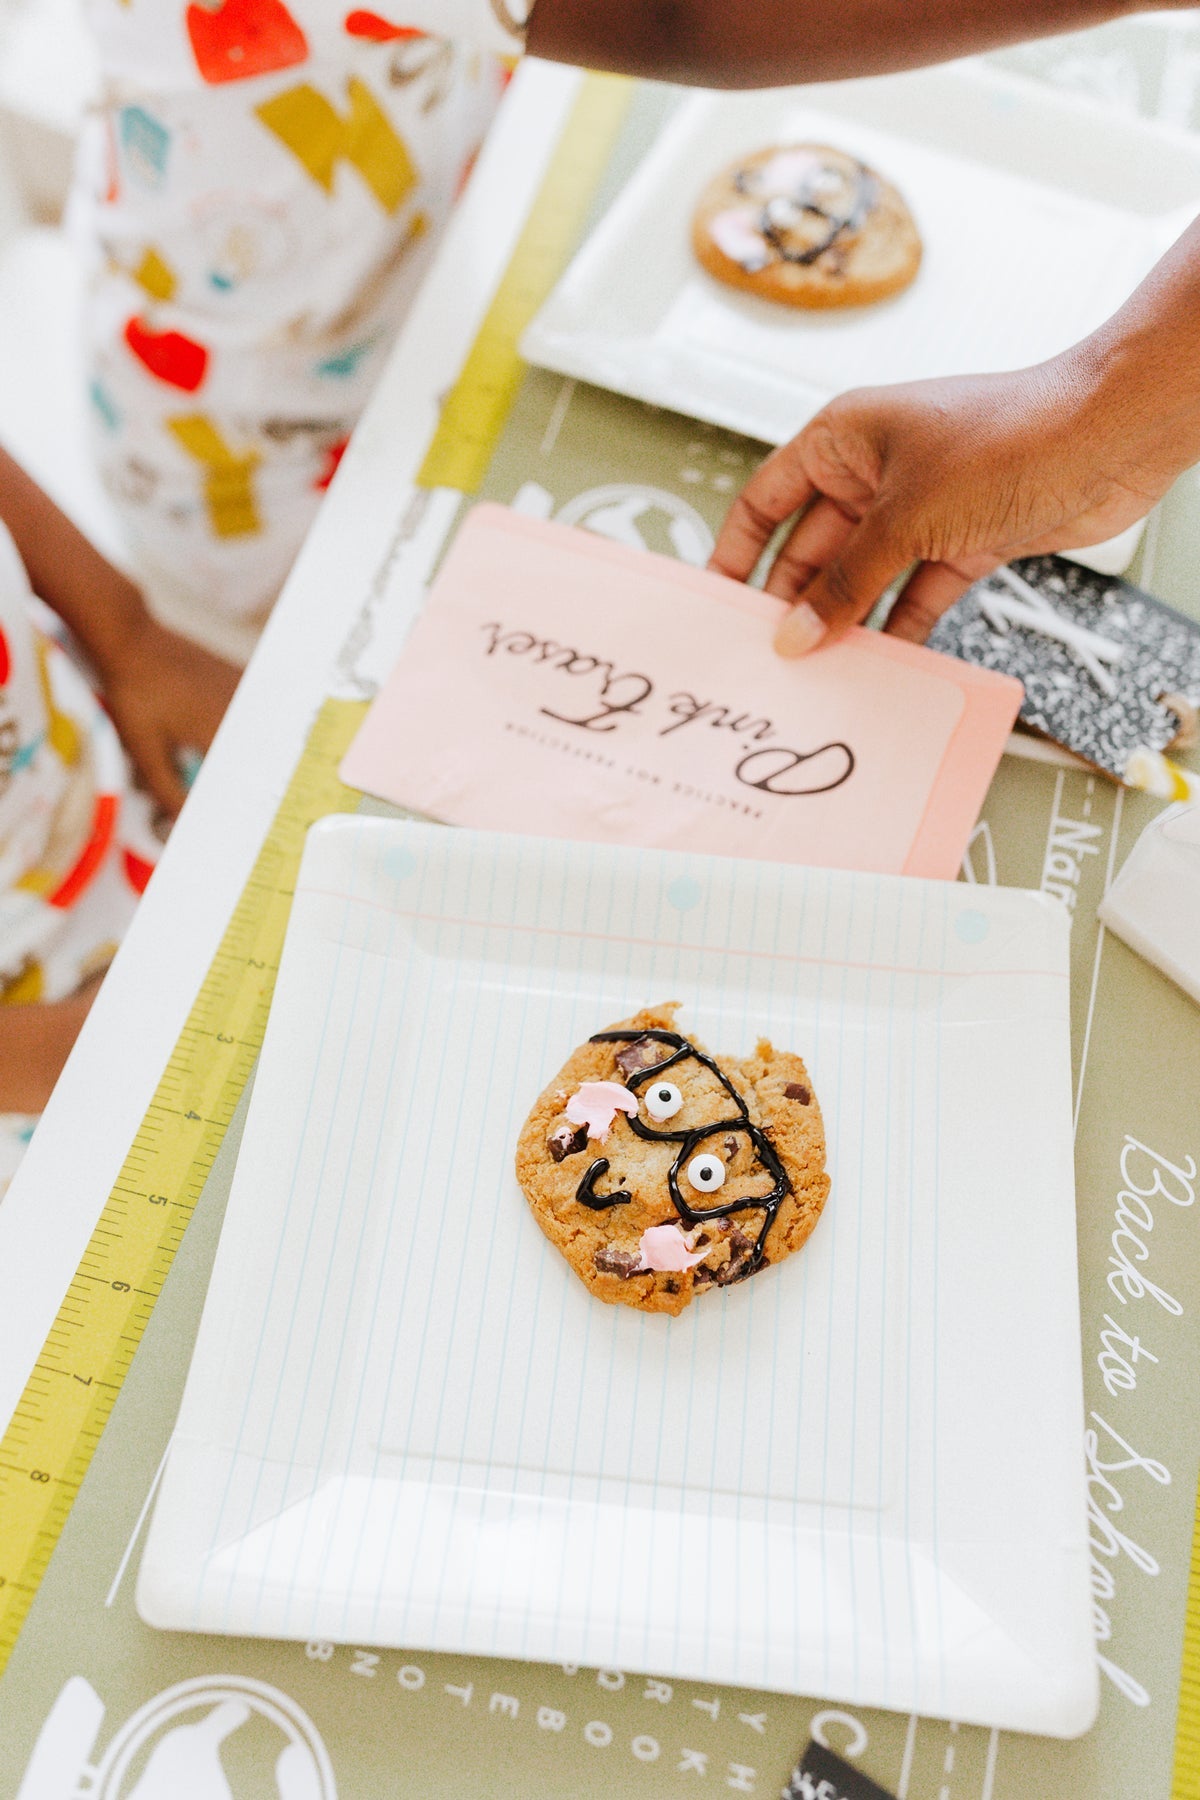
point(858, 1474)
point(1040, 212)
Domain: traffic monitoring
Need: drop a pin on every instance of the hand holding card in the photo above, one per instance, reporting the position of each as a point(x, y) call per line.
point(559, 684)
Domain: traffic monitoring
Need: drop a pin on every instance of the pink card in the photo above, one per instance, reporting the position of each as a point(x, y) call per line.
point(556, 683)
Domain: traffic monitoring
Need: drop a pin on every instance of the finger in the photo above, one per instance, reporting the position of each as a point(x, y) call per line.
point(844, 592)
point(154, 759)
point(931, 590)
point(773, 493)
point(817, 539)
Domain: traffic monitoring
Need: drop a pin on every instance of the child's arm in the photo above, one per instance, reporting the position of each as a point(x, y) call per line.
point(961, 475)
point(35, 1042)
point(99, 604)
point(165, 693)
point(762, 43)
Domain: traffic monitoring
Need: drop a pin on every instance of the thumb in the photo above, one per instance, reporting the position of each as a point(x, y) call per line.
point(845, 590)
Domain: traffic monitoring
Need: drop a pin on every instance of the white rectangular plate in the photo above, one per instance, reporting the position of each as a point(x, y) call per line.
point(407, 1422)
point(1039, 212)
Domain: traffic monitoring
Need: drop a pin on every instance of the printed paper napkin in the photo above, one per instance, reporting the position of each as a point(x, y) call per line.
point(560, 684)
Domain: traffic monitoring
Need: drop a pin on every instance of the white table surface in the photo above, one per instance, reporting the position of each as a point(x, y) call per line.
point(49, 1213)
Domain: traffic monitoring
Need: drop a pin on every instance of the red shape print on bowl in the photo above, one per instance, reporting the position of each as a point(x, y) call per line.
point(169, 356)
point(364, 24)
point(243, 38)
point(137, 871)
point(333, 456)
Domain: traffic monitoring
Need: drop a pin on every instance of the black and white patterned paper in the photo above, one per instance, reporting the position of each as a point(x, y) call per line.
point(822, 1775)
point(1095, 655)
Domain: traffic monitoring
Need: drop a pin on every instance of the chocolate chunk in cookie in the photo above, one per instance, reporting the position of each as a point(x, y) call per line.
point(567, 1140)
point(642, 1053)
point(610, 1259)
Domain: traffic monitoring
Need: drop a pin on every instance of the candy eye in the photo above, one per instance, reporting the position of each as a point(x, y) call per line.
point(783, 213)
point(706, 1174)
point(663, 1100)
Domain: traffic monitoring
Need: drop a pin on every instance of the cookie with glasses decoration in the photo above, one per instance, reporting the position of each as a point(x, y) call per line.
point(663, 1173)
point(806, 225)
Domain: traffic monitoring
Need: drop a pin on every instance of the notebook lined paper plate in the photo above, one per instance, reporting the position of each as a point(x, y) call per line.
point(856, 1474)
point(1039, 211)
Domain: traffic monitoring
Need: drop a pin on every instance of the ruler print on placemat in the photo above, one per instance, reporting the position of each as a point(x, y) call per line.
point(45, 1453)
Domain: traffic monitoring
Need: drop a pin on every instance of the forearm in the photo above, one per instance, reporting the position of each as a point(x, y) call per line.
point(1140, 372)
point(765, 43)
point(98, 604)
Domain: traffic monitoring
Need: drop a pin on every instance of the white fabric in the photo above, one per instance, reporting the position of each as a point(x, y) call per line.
point(1154, 903)
point(64, 793)
point(33, 778)
point(143, 43)
point(257, 197)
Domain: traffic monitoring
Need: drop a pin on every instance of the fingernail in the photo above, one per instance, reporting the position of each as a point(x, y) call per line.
point(801, 631)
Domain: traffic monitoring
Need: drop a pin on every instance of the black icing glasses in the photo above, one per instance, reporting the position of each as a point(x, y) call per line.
point(642, 1071)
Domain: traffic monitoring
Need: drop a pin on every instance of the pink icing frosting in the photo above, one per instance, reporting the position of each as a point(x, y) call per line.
point(596, 1104)
point(666, 1247)
point(735, 233)
point(787, 171)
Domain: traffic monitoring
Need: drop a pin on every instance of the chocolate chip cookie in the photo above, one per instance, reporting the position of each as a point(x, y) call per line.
point(661, 1172)
point(806, 225)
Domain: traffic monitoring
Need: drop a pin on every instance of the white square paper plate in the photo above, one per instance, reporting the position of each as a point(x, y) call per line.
point(1039, 211)
point(858, 1474)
